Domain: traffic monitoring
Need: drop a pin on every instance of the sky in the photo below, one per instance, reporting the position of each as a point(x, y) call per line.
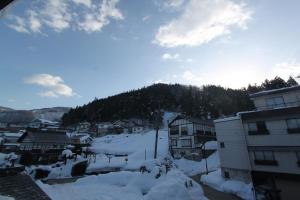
point(68, 52)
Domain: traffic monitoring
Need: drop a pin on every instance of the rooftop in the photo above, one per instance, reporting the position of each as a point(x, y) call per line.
point(21, 187)
point(275, 91)
point(45, 136)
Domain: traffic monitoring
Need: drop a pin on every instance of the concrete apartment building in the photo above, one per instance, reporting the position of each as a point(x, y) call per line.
point(187, 136)
point(263, 146)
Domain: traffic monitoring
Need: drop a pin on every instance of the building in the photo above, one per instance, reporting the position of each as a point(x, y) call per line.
point(21, 186)
point(42, 123)
point(187, 135)
point(83, 126)
point(9, 142)
point(263, 146)
point(38, 146)
point(104, 128)
point(81, 140)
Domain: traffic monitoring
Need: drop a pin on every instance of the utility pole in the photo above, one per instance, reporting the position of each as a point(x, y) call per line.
point(157, 119)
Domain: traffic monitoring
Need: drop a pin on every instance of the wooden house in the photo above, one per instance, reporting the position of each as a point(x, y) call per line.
point(187, 135)
point(42, 146)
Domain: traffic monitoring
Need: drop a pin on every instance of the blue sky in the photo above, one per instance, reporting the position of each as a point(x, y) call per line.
point(67, 52)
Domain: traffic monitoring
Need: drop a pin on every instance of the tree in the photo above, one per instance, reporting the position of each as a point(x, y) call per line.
point(291, 82)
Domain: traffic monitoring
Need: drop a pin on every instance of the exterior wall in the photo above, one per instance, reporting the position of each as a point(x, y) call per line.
point(287, 163)
point(234, 155)
point(278, 135)
point(290, 99)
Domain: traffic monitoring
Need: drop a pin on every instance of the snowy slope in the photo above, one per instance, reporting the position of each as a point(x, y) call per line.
point(133, 145)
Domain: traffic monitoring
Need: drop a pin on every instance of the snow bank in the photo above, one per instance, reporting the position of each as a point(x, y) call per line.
point(191, 168)
point(210, 145)
point(127, 185)
point(6, 198)
point(215, 180)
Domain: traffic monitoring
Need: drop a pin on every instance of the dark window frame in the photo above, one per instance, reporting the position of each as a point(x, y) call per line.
point(261, 128)
point(298, 157)
point(177, 130)
point(226, 175)
point(186, 145)
point(185, 131)
point(173, 140)
point(275, 105)
point(222, 145)
point(292, 130)
point(265, 160)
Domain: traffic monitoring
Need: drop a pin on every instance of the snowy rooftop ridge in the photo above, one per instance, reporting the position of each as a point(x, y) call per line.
point(275, 91)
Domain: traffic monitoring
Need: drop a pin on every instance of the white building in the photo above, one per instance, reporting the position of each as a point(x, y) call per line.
point(187, 135)
point(263, 146)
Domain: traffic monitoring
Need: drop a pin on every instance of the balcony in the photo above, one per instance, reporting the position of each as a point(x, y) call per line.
point(266, 162)
point(293, 130)
point(259, 132)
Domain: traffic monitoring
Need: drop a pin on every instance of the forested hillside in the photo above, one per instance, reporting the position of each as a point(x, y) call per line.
point(207, 101)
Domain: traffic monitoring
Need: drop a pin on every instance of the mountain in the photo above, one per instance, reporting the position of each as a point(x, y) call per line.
point(205, 102)
point(52, 114)
point(5, 109)
point(25, 116)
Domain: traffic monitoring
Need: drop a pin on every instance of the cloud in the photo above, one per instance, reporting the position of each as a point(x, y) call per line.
point(87, 3)
point(173, 3)
point(286, 69)
point(176, 57)
point(168, 56)
point(146, 18)
point(19, 25)
point(94, 21)
point(54, 85)
point(202, 21)
point(60, 15)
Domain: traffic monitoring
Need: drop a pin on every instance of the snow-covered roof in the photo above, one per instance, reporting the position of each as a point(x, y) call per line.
point(227, 119)
point(275, 91)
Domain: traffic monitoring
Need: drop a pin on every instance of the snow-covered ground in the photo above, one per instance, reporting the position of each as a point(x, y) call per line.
point(191, 168)
point(139, 149)
point(215, 180)
point(128, 185)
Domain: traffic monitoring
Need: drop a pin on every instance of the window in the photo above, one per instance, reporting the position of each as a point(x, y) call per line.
point(293, 125)
point(264, 158)
point(252, 126)
point(184, 130)
point(275, 102)
point(174, 130)
point(186, 143)
point(222, 144)
point(198, 139)
point(298, 157)
point(174, 143)
point(257, 128)
point(226, 175)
